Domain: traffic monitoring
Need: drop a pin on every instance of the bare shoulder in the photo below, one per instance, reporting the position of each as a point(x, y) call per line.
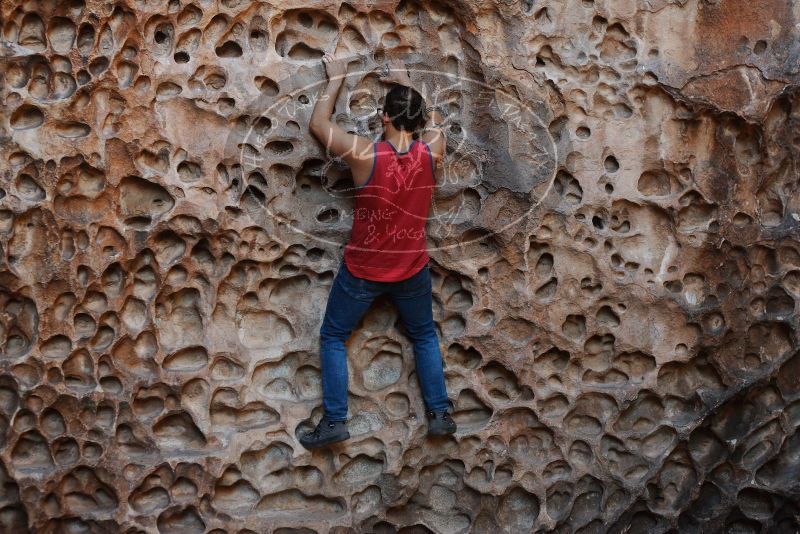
point(361, 160)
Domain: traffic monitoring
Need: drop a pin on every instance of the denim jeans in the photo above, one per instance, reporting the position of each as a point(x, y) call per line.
point(349, 299)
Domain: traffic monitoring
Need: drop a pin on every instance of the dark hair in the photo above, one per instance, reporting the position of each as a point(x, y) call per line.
point(405, 107)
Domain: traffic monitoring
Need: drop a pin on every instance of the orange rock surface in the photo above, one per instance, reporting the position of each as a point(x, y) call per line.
point(615, 246)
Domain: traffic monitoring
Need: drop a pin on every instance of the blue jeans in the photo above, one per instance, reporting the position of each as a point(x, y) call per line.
point(349, 299)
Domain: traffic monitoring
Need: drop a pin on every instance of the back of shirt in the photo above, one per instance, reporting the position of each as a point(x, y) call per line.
point(387, 243)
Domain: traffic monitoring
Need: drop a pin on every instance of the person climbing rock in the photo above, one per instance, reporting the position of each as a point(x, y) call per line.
point(386, 253)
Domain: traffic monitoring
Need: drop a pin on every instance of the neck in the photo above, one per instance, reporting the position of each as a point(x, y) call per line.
point(401, 139)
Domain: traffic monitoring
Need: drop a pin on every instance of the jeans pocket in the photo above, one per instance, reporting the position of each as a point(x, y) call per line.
point(420, 283)
point(351, 284)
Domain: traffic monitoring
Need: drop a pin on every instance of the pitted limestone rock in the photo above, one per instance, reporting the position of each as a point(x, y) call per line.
point(616, 268)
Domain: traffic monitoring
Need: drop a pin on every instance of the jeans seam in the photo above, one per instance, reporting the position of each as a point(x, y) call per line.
point(445, 400)
point(414, 295)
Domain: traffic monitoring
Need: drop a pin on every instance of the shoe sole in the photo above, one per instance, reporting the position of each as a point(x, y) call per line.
point(441, 432)
point(326, 442)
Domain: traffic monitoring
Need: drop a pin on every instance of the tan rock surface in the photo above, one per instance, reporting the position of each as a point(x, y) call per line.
point(616, 251)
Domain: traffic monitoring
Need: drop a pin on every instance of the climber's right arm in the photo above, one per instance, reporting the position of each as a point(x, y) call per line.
point(433, 134)
point(433, 131)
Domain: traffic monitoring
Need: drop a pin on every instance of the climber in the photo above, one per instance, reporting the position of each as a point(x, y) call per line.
point(386, 252)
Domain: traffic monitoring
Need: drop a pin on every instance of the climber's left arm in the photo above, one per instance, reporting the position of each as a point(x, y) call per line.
point(357, 151)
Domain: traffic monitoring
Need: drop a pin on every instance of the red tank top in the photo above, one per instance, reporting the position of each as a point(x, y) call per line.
point(387, 243)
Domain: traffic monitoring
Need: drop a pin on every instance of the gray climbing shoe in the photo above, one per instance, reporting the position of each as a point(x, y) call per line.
point(440, 423)
point(325, 433)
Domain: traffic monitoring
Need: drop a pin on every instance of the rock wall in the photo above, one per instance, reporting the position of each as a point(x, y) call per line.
point(615, 248)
